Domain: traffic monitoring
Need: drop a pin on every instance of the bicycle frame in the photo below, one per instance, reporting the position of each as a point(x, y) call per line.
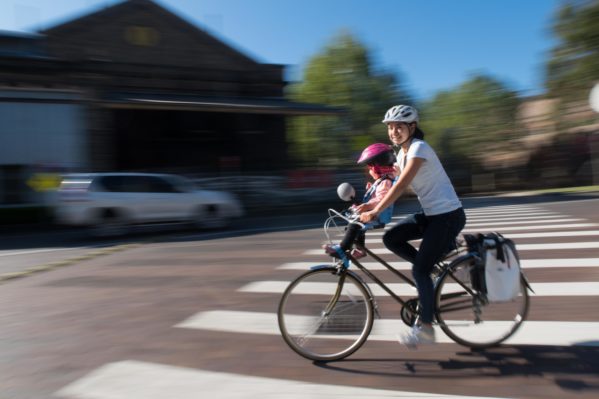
point(441, 265)
point(378, 281)
point(445, 267)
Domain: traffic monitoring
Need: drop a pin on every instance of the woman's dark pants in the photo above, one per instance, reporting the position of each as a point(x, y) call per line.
point(438, 235)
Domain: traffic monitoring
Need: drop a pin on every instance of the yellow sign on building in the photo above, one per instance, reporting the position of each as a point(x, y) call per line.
point(44, 181)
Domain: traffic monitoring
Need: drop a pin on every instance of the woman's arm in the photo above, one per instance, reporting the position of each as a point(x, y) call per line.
point(406, 177)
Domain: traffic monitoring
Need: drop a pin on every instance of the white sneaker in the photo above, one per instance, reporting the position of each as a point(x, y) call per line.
point(418, 335)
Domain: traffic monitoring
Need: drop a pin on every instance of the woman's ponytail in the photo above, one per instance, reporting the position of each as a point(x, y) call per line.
point(418, 134)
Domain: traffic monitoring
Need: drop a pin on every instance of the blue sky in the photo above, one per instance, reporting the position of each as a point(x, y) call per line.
point(432, 44)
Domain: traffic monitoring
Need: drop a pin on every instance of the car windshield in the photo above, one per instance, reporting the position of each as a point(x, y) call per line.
point(182, 183)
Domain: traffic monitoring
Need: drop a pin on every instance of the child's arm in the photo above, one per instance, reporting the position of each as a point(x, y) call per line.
point(404, 180)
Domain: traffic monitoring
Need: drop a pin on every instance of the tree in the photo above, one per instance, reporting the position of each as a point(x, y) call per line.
point(574, 64)
point(473, 119)
point(342, 75)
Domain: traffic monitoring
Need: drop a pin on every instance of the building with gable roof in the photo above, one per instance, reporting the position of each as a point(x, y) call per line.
point(136, 87)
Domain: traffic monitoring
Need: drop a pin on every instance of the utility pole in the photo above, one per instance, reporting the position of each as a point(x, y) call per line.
point(594, 139)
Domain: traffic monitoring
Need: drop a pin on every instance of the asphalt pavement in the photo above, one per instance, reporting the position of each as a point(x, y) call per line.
point(192, 314)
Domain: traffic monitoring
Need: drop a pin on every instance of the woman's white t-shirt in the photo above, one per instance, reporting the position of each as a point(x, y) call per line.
point(431, 184)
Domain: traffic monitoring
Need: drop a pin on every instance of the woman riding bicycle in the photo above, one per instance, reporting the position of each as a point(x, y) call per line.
point(437, 224)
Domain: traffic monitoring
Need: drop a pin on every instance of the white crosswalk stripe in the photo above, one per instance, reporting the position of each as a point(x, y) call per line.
point(579, 233)
point(509, 229)
point(498, 215)
point(521, 247)
point(494, 211)
point(511, 217)
point(505, 212)
point(541, 289)
point(143, 380)
point(521, 221)
point(518, 222)
point(531, 332)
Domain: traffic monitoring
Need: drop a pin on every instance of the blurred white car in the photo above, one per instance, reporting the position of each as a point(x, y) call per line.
point(109, 203)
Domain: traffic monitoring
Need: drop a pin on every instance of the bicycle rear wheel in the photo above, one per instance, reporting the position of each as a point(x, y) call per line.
point(465, 315)
point(325, 315)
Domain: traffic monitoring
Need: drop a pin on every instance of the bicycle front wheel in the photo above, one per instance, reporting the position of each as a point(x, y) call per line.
point(468, 318)
point(325, 314)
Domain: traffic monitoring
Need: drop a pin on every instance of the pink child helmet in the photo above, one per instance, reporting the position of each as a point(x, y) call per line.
point(377, 154)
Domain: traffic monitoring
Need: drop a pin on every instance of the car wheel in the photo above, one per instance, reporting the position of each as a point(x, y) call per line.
point(208, 217)
point(111, 223)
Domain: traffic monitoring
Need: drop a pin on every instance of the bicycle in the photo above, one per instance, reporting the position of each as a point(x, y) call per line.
point(327, 313)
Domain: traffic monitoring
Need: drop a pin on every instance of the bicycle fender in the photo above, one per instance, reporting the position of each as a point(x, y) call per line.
point(318, 267)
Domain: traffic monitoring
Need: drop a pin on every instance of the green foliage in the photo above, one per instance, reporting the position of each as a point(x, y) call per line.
point(574, 64)
point(475, 117)
point(342, 75)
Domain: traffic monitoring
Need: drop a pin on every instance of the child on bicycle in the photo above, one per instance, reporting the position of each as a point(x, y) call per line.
point(380, 160)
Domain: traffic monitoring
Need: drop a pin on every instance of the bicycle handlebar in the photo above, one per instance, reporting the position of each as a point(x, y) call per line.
point(349, 215)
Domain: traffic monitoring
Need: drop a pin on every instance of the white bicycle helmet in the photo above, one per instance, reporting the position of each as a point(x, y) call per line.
point(401, 113)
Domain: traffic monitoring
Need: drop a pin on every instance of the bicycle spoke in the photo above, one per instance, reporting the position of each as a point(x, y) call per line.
point(303, 339)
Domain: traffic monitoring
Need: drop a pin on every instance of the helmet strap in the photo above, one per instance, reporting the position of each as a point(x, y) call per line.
point(410, 137)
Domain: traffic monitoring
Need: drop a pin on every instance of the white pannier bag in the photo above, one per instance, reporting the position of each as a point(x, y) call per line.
point(502, 268)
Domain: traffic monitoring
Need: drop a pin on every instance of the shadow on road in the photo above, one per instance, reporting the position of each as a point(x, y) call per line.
point(572, 368)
